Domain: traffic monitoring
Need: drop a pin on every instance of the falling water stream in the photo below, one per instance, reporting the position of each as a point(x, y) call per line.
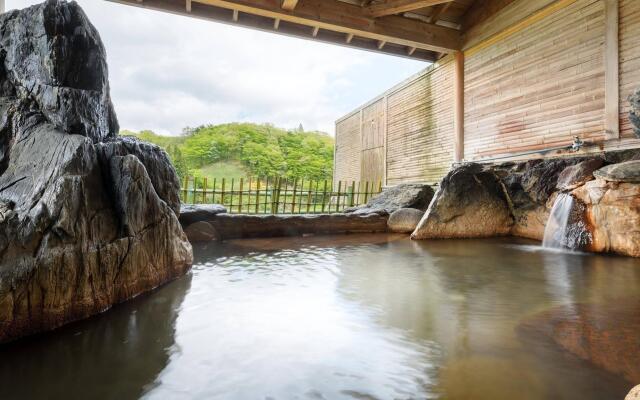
point(556, 228)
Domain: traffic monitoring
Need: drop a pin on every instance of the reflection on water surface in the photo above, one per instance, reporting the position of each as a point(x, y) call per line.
point(348, 317)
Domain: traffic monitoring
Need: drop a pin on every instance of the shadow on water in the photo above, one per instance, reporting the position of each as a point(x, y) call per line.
point(115, 355)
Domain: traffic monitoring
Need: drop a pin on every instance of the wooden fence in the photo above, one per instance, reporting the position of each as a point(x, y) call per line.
point(277, 195)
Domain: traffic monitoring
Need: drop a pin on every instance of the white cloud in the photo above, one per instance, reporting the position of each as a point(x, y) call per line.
point(168, 72)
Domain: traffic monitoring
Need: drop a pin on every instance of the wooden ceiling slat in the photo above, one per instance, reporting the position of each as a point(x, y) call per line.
point(392, 7)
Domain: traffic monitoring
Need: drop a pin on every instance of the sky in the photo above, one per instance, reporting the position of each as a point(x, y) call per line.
point(168, 72)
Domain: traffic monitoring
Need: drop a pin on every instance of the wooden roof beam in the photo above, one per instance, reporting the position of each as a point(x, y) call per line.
point(289, 5)
point(392, 7)
point(336, 16)
point(438, 11)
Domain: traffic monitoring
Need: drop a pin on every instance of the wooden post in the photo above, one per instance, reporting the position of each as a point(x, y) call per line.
point(353, 193)
point(366, 191)
point(213, 191)
point(309, 196)
point(338, 197)
point(185, 188)
point(458, 107)
point(266, 196)
point(324, 195)
point(231, 192)
point(193, 192)
point(611, 70)
point(240, 196)
point(258, 195)
point(204, 191)
point(222, 192)
point(293, 201)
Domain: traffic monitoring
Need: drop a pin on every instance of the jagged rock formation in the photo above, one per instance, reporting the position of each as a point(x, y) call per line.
point(515, 198)
point(405, 195)
point(87, 220)
point(634, 113)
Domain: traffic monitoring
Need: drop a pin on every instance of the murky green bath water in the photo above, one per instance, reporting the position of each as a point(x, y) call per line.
point(351, 317)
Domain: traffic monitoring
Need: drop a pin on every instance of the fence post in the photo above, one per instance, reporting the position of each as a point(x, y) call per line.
point(338, 197)
point(213, 192)
point(293, 200)
point(309, 196)
point(258, 195)
point(315, 197)
point(366, 192)
point(231, 193)
point(195, 186)
point(266, 196)
point(185, 184)
point(353, 190)
point(222, 193)
point(240, 197)
point(204, 191)
point(324, 195)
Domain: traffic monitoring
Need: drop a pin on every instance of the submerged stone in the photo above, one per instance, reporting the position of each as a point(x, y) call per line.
point(404, 220)
point(87, 220)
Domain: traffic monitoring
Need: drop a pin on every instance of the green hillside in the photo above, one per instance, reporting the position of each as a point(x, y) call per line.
point(243, 149)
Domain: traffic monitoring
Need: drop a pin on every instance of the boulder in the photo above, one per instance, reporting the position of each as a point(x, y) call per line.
point(578, 174)
point(470, 202)
point(612, 216)
point(634, 113)
point(87, 219)
point(405, 195)
point(404, 220)
point(634, 394)
point(201, 232)
point(192, 213)
point(604, 334)
point(628, 171)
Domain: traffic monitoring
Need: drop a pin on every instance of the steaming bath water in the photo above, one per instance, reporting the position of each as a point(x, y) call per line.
point(556, 228)
point(344, 317)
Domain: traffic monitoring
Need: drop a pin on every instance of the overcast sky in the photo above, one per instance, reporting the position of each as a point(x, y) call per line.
point(168, 72)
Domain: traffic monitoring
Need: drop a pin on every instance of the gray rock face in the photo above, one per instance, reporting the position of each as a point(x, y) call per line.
point(86, 220)
point(469, 203)
point(192, 213)
point(404, 220)
point(634, 114)
point(579, 174)
point(406, 195)
point(624, 172)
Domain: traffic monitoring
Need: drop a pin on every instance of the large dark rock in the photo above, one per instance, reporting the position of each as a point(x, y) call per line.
point(405, 195)
point(634, 113)
point(624, 172)
point(579, 174)
point(87, 220)
point(470, 202)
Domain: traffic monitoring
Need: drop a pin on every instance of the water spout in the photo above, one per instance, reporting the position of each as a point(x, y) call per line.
point(555, 232)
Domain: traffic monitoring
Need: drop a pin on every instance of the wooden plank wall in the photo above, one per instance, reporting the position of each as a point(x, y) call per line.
point(629, 59)
point(373, 131)
point(538, 87)
point(420, 128)
point(348, 149)
point(407, 132)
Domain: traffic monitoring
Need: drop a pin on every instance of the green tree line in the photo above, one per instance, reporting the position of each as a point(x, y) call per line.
point(262, 149)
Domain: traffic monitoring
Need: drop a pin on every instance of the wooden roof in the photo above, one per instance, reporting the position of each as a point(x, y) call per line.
point(418, 29)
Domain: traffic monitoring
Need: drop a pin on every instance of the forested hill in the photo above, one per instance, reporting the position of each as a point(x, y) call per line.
point(245, 149)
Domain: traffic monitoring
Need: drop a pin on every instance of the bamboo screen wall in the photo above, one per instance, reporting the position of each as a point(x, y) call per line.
point(406, 133)
point(538, 87)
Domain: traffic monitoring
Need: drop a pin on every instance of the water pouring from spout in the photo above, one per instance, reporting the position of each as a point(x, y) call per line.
point(555, 231)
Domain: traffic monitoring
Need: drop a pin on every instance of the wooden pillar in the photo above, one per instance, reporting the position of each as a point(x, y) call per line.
point(612, 70)
point(458, 107)
point(385, 131)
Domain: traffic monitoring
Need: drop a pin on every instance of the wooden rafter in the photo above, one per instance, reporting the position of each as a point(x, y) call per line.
point(289, 5)
point(438, 11)
point(392, 7)
point(330, 15)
